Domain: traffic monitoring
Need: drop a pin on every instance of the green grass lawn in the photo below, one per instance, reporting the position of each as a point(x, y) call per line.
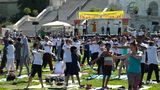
point(20, 84)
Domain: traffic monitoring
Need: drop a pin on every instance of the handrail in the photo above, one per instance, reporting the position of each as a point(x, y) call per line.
point(74, 10)
point(44, 12)
point(29, 18)
point(20, 22)
point(77, 8)
point(84, 4)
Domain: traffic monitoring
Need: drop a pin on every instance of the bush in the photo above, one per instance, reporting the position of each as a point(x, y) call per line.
point(95, 9)
point(34, 12)
point(2, 19)
point(135, 10)
point(27, 11)
point(16, 17)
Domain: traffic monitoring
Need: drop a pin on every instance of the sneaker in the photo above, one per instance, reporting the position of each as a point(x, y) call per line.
point(121, 88)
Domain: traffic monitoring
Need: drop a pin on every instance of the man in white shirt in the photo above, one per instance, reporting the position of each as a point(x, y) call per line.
point(58, 47)
point(152, 61)
point(108, 28)
point(77, 44)
point(119, 28)
point(84, 29)
point(47, 57)
point(54, 40)
point(95, 49)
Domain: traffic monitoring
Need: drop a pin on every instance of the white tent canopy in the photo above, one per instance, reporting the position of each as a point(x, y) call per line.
point(56, 24)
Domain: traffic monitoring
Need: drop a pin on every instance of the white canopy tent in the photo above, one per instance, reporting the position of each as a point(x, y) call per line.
point(57, 27)
point(57, 24)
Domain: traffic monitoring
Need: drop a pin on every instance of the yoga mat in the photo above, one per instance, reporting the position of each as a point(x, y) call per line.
point(145, 87)
point(110, 86)
point(3, 80)
point(38, 86)
point(22, 76)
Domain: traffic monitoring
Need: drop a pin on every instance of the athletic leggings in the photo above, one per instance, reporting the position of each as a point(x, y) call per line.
point(133, 81)
point(47, 58)
point(24, 61)
point(94, 56)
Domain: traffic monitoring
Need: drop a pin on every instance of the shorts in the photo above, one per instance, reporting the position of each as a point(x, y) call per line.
point(36, 69)
point(107, 69)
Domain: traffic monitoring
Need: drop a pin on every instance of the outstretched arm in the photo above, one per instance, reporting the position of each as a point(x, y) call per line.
point(137, 56)
point(120, 57)
point(95, 60)
point(121, 47)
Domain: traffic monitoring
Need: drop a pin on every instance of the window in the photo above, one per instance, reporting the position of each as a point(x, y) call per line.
point(154, 8)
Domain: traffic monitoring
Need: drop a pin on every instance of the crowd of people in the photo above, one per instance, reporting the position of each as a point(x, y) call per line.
point(134, 53)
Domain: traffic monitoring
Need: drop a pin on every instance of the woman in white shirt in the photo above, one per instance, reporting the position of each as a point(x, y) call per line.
point(37, 64)
point(67, 53)
point(47, 57)
point(10, 56)
point(67, 59)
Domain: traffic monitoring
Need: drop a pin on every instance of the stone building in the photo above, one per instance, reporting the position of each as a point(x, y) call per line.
point(148, 15)
point(8, 7)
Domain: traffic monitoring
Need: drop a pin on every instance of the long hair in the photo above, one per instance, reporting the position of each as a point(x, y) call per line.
point(135, 44)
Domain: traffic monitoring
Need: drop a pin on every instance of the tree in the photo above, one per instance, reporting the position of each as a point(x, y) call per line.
point(113, 7)
point(135, 10)
point(93, 9)
point(34, 12)
point(27, 11)
point(33, 4)
point(2, 19)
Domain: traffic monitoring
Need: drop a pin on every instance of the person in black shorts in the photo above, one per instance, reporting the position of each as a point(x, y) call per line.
point(107, 59)
point(37, 64)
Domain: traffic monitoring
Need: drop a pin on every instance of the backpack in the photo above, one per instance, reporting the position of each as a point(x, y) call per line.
point(11, 76)
point(1, 71)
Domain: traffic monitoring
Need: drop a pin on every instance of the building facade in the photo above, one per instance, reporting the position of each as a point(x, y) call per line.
point(8, 7)
point(148, 12)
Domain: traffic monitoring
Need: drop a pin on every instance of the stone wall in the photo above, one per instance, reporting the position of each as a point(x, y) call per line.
point(8, 8)
point(142, 18)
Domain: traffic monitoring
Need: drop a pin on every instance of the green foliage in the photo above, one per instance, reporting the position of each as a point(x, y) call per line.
point(33, 4)
point(135, 10)
point(5, 23)
point(15, 17)
point(2, 19)
point(27, 11)
point(113, 7)
point(93, 9)
point(34, 12)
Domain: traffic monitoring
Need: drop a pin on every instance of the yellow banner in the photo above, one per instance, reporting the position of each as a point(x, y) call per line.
point(102, 15)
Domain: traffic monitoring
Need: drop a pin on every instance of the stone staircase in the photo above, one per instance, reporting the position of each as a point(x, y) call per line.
point(101, 4)
point(67, 12)
point(27, 28)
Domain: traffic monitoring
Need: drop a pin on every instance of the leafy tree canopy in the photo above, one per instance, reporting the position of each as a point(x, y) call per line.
point(33, 4)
